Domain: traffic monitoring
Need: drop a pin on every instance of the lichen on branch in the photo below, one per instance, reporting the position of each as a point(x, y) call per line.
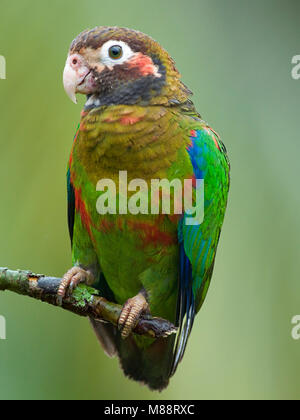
point(84, 301)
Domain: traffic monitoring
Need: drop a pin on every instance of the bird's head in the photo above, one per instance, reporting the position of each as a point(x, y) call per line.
point(114, 66)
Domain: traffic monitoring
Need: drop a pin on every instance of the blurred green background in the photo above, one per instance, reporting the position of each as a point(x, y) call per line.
point(236, 57)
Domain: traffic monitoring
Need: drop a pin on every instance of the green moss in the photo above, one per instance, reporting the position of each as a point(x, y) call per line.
point(83, 295)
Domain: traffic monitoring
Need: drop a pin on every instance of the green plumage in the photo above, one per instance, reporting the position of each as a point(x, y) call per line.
point(160, 253)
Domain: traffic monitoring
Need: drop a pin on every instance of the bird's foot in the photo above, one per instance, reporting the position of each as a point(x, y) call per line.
point(72, 279)
point(131, 313)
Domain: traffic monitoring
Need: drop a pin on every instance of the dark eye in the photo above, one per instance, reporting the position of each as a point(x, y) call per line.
point(115, 52)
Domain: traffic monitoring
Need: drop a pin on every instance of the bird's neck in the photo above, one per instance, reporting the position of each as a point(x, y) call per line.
point(166, 90)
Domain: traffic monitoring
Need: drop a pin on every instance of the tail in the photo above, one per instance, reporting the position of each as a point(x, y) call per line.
point(147, 361)
point(142, 359)
point(106, 334)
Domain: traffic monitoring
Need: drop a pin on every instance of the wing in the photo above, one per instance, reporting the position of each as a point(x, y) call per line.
point(71, 194)
point(71, 205)
point(198, 243)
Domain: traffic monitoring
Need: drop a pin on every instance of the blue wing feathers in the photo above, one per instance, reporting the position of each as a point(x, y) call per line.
point(186, 306)
point(197, 243)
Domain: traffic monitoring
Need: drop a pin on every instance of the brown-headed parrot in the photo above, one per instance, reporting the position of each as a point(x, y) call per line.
point(139, 120)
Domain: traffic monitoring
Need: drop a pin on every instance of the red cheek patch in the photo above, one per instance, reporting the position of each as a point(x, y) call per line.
point(144, 64)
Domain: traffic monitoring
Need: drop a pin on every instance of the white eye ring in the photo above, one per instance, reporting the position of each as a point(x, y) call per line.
point(104, 53)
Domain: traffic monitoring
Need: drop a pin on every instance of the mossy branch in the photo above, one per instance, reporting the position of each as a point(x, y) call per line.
point(84, 301)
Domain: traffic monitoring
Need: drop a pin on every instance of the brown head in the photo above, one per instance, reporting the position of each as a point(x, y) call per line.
point(114, 66)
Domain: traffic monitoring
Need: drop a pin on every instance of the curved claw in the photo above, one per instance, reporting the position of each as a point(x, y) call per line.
point(70, 281)
point(131, 313)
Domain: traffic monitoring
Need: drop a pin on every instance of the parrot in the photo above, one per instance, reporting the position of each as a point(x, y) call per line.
point(138, 118)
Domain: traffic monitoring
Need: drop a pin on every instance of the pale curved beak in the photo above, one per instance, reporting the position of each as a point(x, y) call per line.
point(74, 76)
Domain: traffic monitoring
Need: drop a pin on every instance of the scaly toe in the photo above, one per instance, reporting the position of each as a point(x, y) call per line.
point(131, 312)
point(71, 280)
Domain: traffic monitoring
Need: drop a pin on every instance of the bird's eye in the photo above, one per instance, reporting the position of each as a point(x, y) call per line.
point(115, 52)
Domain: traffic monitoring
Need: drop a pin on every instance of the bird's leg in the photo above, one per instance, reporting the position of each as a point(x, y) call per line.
point(71, 280)
point(131, 313)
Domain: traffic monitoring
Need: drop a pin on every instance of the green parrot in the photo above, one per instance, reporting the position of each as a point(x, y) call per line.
point(138, 120)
